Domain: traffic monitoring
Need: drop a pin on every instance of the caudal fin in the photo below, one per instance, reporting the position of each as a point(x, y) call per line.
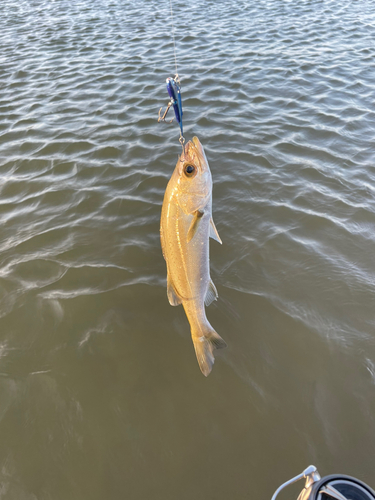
point(204, 346)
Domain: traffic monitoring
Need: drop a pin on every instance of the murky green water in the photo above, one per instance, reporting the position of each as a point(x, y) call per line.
point(100, 392)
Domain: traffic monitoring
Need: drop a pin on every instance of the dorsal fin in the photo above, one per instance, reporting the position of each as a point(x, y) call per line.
point(213, 232)
point(211, 293)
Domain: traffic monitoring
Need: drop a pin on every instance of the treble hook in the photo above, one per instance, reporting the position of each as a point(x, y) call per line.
point(162, 118)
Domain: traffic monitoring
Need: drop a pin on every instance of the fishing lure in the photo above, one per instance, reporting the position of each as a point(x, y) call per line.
point(174, 91)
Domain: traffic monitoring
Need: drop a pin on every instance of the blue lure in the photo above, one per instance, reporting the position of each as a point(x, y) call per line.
point(174, 91)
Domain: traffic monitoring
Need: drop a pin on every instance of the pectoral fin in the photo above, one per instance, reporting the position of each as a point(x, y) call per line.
point(194, 225)
point(211, 293)
point(173, 297)
point(213, 232)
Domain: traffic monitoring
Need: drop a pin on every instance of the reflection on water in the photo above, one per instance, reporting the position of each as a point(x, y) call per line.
point(100, 392)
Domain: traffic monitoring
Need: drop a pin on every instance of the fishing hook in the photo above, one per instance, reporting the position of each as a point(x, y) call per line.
point(162, 118)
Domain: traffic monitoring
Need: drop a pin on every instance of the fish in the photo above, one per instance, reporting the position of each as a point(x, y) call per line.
point(185, 228)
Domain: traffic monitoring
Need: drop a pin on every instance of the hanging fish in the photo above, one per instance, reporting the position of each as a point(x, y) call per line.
point(186, 225)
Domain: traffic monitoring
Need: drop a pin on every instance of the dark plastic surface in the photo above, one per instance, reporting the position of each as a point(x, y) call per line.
point(352, 491)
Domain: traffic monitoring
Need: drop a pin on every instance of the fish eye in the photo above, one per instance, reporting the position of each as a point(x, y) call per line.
point(189, 170)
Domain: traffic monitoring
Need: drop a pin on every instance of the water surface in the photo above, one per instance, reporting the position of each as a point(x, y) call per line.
point(100, 392)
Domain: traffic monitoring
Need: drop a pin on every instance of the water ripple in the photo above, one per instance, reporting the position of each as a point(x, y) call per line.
point(281, 94)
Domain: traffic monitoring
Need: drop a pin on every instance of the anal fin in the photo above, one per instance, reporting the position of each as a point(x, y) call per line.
point(173, 297)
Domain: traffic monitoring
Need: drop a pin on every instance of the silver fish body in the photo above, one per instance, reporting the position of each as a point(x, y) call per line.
point(186, 225)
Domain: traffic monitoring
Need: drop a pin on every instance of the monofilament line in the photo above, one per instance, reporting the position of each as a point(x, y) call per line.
point(174, 42)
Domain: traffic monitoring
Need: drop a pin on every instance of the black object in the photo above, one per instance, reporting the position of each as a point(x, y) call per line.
point(349, 487)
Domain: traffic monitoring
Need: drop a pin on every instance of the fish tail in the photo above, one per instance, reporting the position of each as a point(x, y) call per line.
point(204, 346)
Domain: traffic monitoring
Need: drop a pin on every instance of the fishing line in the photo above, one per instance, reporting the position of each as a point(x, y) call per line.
point(174, 91)
point(174, 41)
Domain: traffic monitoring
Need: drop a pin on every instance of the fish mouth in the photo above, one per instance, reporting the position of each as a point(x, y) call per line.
point(194, 152)
point(194, 146)
point(198, 146)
